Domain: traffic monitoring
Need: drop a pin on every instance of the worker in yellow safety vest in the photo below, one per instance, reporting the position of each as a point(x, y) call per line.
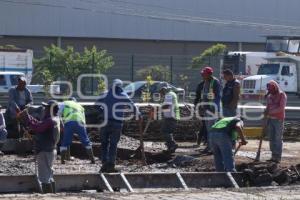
point(207, 101)
point(73, 117)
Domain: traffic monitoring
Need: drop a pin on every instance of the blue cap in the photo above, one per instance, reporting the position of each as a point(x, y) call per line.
point(72, 99)
point(50, 103)
point(117, 83)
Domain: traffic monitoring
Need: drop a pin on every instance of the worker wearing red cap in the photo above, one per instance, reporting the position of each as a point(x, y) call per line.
point(208, 95)
point(275, 114)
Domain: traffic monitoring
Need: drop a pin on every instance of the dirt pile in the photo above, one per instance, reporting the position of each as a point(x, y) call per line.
point(185, 130)
point(292, 129)
point(269, 174)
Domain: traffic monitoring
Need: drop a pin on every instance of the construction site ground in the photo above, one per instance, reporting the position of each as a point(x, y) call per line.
point(188, 158)
point(270, 193)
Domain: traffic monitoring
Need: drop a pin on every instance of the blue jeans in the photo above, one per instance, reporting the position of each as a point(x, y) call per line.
point(72, 127)
point(3, 135)
point(221, 144)
point(110, 136)
point(209, 123)
point(275, 133)
point(167, 128)
point(228, 112)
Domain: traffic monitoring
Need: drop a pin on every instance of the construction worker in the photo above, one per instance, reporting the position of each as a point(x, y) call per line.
point(73, 117)
point(3, 131)
point(115, 101)
point(274, 115)
point(221, 136)
point(208, 96)
point(171, 114)
point(47, 134)
point(19, 98)
point(231, 94)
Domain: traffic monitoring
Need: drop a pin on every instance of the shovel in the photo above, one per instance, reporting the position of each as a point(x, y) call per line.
point(257, 158)
point(237, 149)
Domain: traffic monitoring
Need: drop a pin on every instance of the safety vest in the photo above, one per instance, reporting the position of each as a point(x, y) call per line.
point(175, 105)
point(73, 112)
point(227, 125)
point(210, 95)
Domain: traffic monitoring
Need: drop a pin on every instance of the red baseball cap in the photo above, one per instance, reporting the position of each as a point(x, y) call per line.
point(207, 70)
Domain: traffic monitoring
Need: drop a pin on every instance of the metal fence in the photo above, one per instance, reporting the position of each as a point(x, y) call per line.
point(126, 68)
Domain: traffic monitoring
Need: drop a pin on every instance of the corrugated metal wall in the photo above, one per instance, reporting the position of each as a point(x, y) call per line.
point(188, 20)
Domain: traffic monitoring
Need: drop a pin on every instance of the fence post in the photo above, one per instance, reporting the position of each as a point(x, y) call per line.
point(171, 69)
point(132, 67)
point(93, 68)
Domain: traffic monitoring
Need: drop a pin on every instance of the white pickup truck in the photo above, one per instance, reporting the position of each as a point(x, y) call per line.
point(10, 79)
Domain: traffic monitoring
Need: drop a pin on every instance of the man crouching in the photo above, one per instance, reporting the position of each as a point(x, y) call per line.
point(47, 133)
point(223, 133)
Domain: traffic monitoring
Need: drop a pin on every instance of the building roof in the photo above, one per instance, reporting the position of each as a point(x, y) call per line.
point(189, 20)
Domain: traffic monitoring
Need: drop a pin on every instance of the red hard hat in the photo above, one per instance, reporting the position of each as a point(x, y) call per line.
point(207, 70)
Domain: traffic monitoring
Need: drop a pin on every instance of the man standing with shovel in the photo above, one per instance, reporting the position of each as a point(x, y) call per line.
point(274, 115)
point(47, 133)
point(117, 102)
point(170, 109)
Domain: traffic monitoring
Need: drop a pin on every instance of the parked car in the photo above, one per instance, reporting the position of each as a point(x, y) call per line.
point(135, 90)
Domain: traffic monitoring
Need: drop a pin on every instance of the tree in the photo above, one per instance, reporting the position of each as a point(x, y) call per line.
point(184, 81)
point(60, 64)
point(146, 94)
point(203, 58)
point(9, 47)
point(157, 72)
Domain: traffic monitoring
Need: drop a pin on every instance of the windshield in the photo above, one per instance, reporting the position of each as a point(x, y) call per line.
point(133, 86)
point(268, 69)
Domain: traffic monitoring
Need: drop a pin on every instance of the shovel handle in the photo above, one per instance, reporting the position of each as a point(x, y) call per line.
point(257, 158)
point(237, 149)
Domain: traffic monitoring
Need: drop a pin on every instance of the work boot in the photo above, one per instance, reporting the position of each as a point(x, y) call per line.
point(207, 151)
point(68, 155)
point(63, 156)
point(103, 168)
point(91, 155)
point(110, 168)
point(53, 184)
point(172, 148)
point(47, 188)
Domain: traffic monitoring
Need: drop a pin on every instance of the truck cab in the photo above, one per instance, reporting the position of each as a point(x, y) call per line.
point(284, 73)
